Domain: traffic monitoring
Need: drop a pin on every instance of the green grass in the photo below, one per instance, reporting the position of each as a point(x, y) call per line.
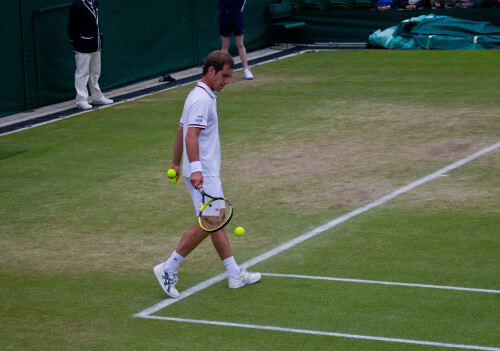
point(87, 211)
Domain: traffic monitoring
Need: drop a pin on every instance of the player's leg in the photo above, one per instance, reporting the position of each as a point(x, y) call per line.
point(238, 277)
point(221, 244)
point(223, 248)
point(190, 240)
point(166, 272)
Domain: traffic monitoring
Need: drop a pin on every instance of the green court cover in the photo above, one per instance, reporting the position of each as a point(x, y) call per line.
point(437, 32)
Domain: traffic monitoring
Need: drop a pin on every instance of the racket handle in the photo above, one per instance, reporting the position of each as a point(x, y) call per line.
point(201, 190)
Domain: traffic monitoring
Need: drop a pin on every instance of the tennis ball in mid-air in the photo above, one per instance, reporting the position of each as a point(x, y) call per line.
point(172, 173)
point(239, 231)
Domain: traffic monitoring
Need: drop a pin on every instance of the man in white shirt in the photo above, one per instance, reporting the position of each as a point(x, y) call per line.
point(197, 141)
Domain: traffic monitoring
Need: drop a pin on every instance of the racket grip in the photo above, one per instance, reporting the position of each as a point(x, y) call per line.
point(201, 190)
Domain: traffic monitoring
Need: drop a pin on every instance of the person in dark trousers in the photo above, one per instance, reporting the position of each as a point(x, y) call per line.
point(231, 21)
point(85, 35)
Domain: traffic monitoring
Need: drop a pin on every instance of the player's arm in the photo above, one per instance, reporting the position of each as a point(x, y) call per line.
point(193, 153)
point(177, 156)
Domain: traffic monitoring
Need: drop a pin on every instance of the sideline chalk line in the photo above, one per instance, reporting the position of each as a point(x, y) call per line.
point(444, 287)
point(203, 285)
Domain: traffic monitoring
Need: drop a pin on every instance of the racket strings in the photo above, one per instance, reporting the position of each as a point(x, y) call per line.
point(212, 218)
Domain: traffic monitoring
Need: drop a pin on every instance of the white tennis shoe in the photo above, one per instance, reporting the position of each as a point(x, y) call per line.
point(84, 105)
point(247, 74)
point(243, 279)
point(167, 280)
point(103, 101)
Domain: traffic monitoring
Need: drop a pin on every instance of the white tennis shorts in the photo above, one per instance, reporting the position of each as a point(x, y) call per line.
point(212, 186)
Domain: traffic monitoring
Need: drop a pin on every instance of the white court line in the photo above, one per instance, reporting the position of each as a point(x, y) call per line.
point(382, 283)
point(316, 332)
point(147, 312)
point(165, 303)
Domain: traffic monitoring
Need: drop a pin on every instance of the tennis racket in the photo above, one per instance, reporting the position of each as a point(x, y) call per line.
point(215, 213)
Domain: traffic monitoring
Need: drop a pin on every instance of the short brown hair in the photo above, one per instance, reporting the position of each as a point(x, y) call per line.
point(218, 59)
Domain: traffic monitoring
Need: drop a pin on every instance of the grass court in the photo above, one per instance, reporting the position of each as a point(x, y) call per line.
point(87, 211)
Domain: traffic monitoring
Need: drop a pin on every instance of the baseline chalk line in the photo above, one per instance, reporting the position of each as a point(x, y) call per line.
point(323, 333)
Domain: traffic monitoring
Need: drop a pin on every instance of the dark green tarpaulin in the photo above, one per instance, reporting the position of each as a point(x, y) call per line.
point(437, 32)
point(357, 25)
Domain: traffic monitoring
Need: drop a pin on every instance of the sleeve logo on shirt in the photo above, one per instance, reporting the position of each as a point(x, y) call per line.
point(198, 120)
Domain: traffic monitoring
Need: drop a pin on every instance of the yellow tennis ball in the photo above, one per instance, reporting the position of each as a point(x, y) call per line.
point(239, 231)
point(172, 173)
point(174, 181)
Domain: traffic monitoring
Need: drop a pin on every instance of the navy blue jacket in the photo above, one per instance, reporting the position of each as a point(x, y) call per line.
point(83, 26)
point(232, 7)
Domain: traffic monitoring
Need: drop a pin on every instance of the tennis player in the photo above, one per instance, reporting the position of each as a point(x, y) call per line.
point(197, 142)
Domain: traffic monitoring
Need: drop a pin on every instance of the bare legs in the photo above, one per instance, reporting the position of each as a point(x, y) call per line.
point(239, 44)
point(194, 236)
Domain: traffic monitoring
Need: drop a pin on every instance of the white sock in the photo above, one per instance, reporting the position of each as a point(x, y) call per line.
point(173, 262)
point(232, 268)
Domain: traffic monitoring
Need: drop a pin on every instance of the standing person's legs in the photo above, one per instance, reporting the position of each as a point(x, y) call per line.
point(226, 41)
point(225, 30)
point(95, 72)
point(247, 74)
point(82, 74)
point(229, 24)
point(238, 27)
point(241, 50)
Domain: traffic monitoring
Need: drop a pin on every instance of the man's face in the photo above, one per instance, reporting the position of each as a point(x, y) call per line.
point(220, 79)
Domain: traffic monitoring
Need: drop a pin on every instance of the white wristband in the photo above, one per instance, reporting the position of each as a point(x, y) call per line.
point(196, 167)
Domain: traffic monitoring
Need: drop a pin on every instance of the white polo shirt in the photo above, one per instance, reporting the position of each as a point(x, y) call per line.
point(200, 111)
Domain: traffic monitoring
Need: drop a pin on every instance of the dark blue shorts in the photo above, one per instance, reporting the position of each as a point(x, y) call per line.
point(231, 24)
